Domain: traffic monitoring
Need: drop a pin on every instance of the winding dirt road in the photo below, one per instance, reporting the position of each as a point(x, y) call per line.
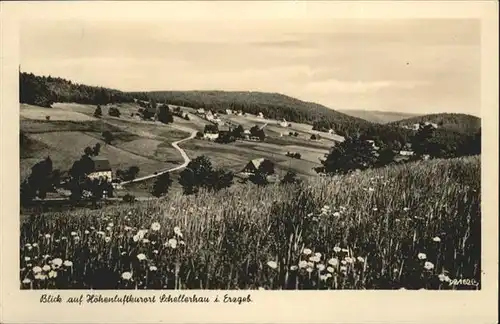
point(176, 146)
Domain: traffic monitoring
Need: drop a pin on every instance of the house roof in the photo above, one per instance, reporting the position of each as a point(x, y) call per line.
point(256, 162)
point(101, 164)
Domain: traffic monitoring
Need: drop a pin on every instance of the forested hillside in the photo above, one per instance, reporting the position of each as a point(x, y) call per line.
point(461, 123)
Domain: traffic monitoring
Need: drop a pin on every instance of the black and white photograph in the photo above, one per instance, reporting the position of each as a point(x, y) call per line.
point(257, 154)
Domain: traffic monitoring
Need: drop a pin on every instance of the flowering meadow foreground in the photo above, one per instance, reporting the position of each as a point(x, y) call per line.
point(409, 226)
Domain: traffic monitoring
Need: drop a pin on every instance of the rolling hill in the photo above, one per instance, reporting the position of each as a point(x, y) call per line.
point(380, 117)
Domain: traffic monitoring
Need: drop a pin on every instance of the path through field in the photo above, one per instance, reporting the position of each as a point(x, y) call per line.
point(176, 146)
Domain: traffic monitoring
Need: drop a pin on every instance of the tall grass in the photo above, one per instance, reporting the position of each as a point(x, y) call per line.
point(409, 226)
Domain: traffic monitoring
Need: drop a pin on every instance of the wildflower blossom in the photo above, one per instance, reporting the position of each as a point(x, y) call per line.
point(136, 238)
point(153, 268)
point(436, 239)
point(46, 267)
point(27, 258)
point(309, 269)
point(330, 269)
point(26, 281)
point(111, 224)
point(349, 259)
point(272, 264)
point(320, 267)
point(310, 264)
point(317, 254)
point(37, 269)
point(141, 233)
point(314, 259)
point(337, 249)
point(57, 262)
point(345, 250)
point(336, 214)
point(328, 275)
point(155, 226)
point(107, 239)
point(127, 228)
point(155, 251)
point(344, 262)
point(40, 276)
point(333, 261)
point(422, 256)
point(68, 263)
point(323, 277)
point(293, 267)
point(375, 209)
point(27, 245)
point(108, 229)
point(73, 233)
point(87, 232)
point(141, 257)
point(428, 265)
point(172, 243)
point(307, 251)
point(406, 209)
point(101, 233)
point(126, 275)
point(177, 231)
point(47, 236)
point(302, 264)
point(52, 274)
point(145, 241)
point(343, 268)
point(444, 277)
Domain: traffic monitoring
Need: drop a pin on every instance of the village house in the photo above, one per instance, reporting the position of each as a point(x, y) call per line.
point(253, 165)
point(260, 115)
point(101, 169)
point(200, 111)
point(229, 111)
point(211, 136)
point(224, 129)
point(283, 123)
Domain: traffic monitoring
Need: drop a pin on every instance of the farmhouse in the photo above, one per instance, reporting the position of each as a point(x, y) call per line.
point(253, 165)
point(283, 123)
point(229, 112)
point(260, 115)
point(224, 129)
point(101, 169)
point(200, 111)
point(210, 136)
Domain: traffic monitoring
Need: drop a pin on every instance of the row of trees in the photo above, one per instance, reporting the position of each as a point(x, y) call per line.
point(43, 91)
point(356, 153)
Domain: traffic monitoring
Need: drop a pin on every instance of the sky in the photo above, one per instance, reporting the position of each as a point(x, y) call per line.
point(404, 65)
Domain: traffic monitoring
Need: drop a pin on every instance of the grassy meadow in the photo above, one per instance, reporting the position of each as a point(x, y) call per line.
point(408, 226)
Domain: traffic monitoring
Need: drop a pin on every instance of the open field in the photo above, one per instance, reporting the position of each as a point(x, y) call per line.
point(40, 113)
point(386, 228)
point(381, 117)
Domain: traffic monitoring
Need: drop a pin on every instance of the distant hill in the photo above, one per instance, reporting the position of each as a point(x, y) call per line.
point(380, 117)
point(461, 123)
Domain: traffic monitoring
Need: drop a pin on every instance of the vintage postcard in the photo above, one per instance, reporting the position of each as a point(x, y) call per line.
point(234, 162)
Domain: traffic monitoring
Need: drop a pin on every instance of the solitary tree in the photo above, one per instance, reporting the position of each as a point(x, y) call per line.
point(108, 137)
point(161, 185)
point(98, 112)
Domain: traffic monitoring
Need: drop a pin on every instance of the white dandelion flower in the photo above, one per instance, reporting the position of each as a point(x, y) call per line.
point(310, 264)
point(172, 243)
point(330, 269)
point(46, 268)
point(126, 275)
point(307, 251)
point(109, 229)
point(333, 261)
point(111, 224)
point(293, 267)
point(336, 214)
point(360, 259)
point(337, 249)
point(27, 258)
point(153, 268)
point(302, 264)
point(136, 238)
point(53, 274)
point(320, 267)
point(443, 277)
point(73, 233)
point(141, 257)
point(68, 263)
point(309, 269)
point(57, 262)
point(323, 277)
point(344, 262)
point(155, 251)
point(145, 241)
point(87, 232)
point(107, 239)
point(406, 209)
point(343, 268)
point(26, 281)
point(155, 226)
point(317, 254)
point(272, 264)
point(37, 269)
point(314, 259)
point(422, 256)
point(177, 231)
point(436, 239)
point(349, 259)
point(428, 265)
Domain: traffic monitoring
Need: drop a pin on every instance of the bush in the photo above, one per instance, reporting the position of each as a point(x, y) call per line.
point(108, 137)
point(113, 111)
point(98, 112)
point(200, 173)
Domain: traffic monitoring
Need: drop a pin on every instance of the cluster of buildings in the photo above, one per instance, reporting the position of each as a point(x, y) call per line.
point(417, 126)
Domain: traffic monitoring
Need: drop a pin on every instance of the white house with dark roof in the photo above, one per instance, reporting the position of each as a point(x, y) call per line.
point(101, 169)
